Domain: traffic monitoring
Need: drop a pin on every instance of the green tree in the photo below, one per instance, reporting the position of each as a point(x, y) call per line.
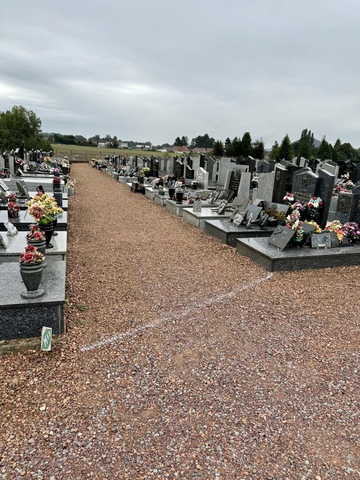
point(218, 149)
point(305, 144)
point(19, 127)
point(246, 144)
point(324, 151)
point(258, 150)
point(286, 151)
point(185, 141)
point(275, 150)
point(202, 141)
point(229, 148)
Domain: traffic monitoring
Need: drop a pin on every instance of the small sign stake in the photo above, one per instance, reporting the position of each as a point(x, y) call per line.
point(46, 337)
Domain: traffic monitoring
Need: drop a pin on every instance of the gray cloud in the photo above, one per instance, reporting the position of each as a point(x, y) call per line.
point(154, 70)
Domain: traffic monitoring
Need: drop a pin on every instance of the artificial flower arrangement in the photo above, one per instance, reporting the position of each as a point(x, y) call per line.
point(13, 210)
point(316, 225)
point(297, 206)
point(43, 208)
point(35, 234)
point(315, 204)
point(294, 223)
point(351, 230)
point(145, 171)
point(72, 183)
point(31, 255)
point(288, 199)
point(337, 227)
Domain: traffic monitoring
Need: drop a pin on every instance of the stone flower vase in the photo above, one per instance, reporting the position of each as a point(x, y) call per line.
point(171, 193)
point(39, 244)
point(31, 274)
point(179, 197)
point(48, 229)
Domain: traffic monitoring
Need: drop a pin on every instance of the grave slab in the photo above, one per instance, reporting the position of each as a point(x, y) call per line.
point(228, 233)
point(24, 318)
point(197, 219)
point(273, 259)
point(15, 245)
point(25, 220)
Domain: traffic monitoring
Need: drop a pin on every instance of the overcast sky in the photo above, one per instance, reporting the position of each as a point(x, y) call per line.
point(152, 70)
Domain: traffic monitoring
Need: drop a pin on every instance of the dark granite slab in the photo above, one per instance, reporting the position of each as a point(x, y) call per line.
point(26, 220)
point(23, 318)
point(273, 259)
point(228, 233)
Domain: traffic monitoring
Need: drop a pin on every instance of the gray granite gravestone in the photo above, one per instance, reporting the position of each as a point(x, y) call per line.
point(265, 187)
point(326, 185)
point(344, 207)
point(263, 166)
point(2, 162)
point(305, 185)
point(331, 167)
point(279, 183)
point(243, 191)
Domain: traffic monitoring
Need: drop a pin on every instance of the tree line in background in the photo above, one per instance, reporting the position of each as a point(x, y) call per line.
point(21, 127)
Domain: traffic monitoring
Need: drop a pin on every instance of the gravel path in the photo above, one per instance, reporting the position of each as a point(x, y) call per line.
point(183, 360)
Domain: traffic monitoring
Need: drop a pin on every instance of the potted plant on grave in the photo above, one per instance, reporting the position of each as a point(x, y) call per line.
point(351, 231)
point(161, 190)
point(36, 237)
point(146, 171)
point(337, 227)
point(45, 210)
point(31, 269)
point(313, 208)
point(71, 186)
point(289, 199)
point(13, 207)
point(56, 183)
point(294, 223)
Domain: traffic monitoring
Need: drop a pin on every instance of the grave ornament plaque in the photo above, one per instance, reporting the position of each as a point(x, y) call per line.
point(281, 237)
point(11, 229)
point(321, 240)
point(238, 220)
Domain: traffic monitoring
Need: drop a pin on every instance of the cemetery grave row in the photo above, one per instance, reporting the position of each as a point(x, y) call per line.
point(24, 311)
point(322, 215)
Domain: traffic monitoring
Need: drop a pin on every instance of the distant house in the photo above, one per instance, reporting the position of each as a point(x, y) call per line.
point(144, 146)
point(202, 150)
point(181, 149)
point(124, 145)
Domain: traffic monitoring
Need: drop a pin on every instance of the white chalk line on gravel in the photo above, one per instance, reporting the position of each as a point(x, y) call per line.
point(175, 316)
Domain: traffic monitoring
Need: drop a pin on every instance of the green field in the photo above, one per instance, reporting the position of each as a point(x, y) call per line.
point(85, 154)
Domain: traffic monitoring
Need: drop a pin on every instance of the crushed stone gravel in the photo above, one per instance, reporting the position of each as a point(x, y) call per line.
point(182, 359)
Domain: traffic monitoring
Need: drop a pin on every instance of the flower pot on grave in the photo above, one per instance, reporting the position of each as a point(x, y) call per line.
point(312, 215)
point(179, 197)
point(171, 193)
point(39, 244)
point(71, 191)
point(31, 274)
point(47, 228)
point(297, 242)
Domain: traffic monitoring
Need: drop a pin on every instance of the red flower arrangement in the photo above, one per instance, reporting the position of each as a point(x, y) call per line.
point(31, 255)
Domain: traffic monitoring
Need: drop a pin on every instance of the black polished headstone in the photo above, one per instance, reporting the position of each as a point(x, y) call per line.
point(279, 183)
point(326, 185)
